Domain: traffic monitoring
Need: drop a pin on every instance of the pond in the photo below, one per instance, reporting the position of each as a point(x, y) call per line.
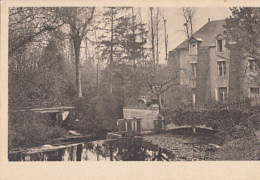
point(126, 149)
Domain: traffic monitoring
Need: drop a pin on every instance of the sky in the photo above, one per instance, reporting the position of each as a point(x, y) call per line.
point(175, 21)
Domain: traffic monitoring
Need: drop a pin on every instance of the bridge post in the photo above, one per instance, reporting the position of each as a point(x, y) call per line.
point(193, 128)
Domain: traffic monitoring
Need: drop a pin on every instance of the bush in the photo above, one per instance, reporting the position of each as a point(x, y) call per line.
point(32, 134)
point(229, 123)
point(29, 129)
point(217, 118)
point(97, 114)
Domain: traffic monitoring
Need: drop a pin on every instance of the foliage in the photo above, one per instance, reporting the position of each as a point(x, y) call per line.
point(30, 129)
point(124, 38)
point(46, 81)
point(97, 114)
point(29, 24)
point(243, 29)
point(229, 123)
point(78, 19)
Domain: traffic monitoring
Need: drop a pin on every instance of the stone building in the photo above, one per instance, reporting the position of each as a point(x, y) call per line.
point(210, 72)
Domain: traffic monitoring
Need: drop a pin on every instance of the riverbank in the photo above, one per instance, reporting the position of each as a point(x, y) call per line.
point(241, 149)
point(69, 137)
point(199, 148)
point(185, 147)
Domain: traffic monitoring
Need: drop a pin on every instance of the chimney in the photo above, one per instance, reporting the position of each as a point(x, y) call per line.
point(208, 19)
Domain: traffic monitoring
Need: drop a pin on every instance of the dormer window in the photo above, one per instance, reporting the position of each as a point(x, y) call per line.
point(220, 43)
point(193, 48)
point(193, 45)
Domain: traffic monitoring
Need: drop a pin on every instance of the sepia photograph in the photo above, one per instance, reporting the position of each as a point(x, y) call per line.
point(133, 83)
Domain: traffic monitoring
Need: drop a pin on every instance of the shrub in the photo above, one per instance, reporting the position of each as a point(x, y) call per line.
point(97, 114)
point(29, 129)
point(32, 134)
point(229, 123)
point(210, 117)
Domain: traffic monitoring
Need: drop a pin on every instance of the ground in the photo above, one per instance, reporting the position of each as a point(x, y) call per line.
point(185, 147)
point(242, 149)
point(196, 147)
point(246, 148)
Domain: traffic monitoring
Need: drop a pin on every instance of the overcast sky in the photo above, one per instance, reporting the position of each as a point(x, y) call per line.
point(175, 22)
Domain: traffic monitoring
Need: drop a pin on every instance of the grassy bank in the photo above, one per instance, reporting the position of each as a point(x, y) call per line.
point(31, 135)
point(27, 129)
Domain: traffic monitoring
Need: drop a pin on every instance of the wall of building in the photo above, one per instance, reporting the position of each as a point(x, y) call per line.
point(181, 96)
point(217, 81)
point(235, 76)
point(208, 81)
point(202, 79)
point(147, 115)
point(185, 60)
point(250, 79)
point(172, 96)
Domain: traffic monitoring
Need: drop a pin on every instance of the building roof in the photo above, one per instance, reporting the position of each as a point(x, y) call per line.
point(207, 34)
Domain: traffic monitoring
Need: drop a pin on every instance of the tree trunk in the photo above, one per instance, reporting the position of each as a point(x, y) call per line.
point(111, 53)
point(165, 34)
point(77, 61)
point(157, 37)
point(160, 102)
point(133, 23)
point(152, 35)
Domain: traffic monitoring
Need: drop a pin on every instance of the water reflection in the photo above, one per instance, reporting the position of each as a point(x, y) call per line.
point(129, 149)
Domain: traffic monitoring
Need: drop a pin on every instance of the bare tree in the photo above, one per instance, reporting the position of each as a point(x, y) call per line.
point(163, 80)
point(78, 19)
point(26, 24)
point(188, 13)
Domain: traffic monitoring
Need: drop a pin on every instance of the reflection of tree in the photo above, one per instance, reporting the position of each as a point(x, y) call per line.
point(127, 150)
point(160, 156)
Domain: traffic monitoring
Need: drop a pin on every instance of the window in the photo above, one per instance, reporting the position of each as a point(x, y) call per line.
point(193, 67)
point(254, 90)
point(193, 48)
point(220, 45)
point(193, 96)
point(222, 93)
point(222, 68)
point(251, 64)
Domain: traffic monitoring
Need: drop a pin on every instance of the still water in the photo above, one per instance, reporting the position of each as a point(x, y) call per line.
point(128, 149)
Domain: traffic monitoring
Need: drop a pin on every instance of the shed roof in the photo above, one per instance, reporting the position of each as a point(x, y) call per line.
point(49, 110)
